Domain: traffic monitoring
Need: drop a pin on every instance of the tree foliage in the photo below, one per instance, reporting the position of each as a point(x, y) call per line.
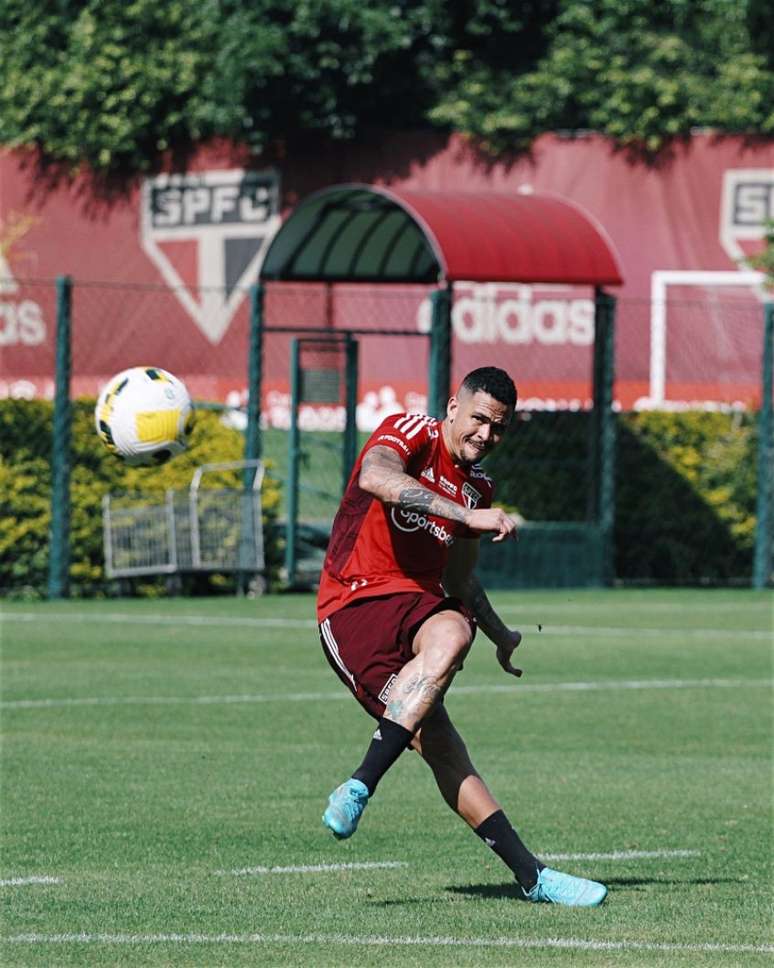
point(123, 84)
point(640, 72)
point(102, 81)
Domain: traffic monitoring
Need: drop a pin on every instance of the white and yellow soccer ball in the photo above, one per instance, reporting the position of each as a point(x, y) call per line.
point(144, 415)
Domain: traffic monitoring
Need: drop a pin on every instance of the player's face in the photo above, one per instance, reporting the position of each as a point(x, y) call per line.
point(474, 425)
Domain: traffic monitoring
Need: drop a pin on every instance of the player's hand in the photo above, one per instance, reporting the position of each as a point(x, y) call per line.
point(493, 519)
point(505, 650)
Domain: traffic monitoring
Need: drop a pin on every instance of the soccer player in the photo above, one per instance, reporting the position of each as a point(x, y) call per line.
point(399, 603)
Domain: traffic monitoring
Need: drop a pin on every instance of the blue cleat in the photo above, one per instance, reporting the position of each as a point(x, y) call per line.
point(558, 888)
point(345, 807)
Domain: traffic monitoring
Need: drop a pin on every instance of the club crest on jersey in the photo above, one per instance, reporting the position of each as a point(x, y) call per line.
point(207, 234)
point(470, 496)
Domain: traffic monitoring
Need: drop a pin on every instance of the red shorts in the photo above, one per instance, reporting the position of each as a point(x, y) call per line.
point(368, 642)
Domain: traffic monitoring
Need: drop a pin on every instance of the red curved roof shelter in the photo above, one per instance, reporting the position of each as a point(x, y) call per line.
point(362, 233)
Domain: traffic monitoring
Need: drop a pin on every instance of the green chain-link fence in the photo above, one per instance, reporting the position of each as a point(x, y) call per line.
point(693, 484)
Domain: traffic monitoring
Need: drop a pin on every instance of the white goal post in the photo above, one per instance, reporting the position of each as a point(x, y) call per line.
point(660, 281)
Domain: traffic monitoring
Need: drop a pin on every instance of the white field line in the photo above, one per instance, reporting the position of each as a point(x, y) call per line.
point(433, 941)
point(631, 632)
point(121, 618)
point(539, 687)
point(624, 855)
point(571, 604)
point(207, 621)
point(616, 684)
point(21, 881)
point(386, 865)
point(312, 868)
point(373, 865)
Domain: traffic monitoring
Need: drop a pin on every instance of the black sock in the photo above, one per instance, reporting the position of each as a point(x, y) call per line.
point(389, 741)
point(498, 834)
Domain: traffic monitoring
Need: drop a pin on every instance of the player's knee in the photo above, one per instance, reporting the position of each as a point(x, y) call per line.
point(445, 641)
point(460, 638)
point(457, 653)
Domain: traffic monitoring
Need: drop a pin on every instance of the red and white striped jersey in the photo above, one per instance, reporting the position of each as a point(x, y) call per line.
point(376, 549)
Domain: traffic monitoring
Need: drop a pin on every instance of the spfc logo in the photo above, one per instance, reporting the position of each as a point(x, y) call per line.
point(747, 204)
point(470, 495)
point(207, 234)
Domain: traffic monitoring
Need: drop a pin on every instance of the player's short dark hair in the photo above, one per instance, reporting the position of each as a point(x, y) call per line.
point(494, 381)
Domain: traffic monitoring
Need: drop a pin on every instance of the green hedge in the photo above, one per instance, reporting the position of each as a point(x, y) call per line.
point(686, 491)
point(25, 483)
point(685, 488)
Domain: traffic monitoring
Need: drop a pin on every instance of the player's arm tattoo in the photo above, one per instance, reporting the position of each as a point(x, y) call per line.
point(384, 475)
point(418, 498)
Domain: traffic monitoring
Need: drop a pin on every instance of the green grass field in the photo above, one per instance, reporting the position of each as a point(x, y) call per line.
point(161, 759)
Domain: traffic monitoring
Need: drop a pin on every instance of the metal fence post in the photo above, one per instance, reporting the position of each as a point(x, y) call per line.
point(764, 539)
point(59, 544)
point(439, 377)
point(604, 428)
point(350, 420)
point(253, 442)
point(294, 458)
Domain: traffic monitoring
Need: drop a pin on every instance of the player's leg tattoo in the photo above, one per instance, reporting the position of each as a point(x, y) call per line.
point(414, 700)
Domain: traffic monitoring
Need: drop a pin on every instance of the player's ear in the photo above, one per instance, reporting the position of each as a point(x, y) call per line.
point(451, 407)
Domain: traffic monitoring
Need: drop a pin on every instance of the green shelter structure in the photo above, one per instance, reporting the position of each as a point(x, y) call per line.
point(356, 233)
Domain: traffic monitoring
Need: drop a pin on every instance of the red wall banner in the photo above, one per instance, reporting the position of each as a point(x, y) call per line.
point(161, 274)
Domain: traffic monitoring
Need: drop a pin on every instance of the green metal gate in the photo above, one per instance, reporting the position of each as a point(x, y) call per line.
point(323, 370)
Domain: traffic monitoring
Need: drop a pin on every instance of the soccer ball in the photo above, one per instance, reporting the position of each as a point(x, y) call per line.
point(144, 415)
